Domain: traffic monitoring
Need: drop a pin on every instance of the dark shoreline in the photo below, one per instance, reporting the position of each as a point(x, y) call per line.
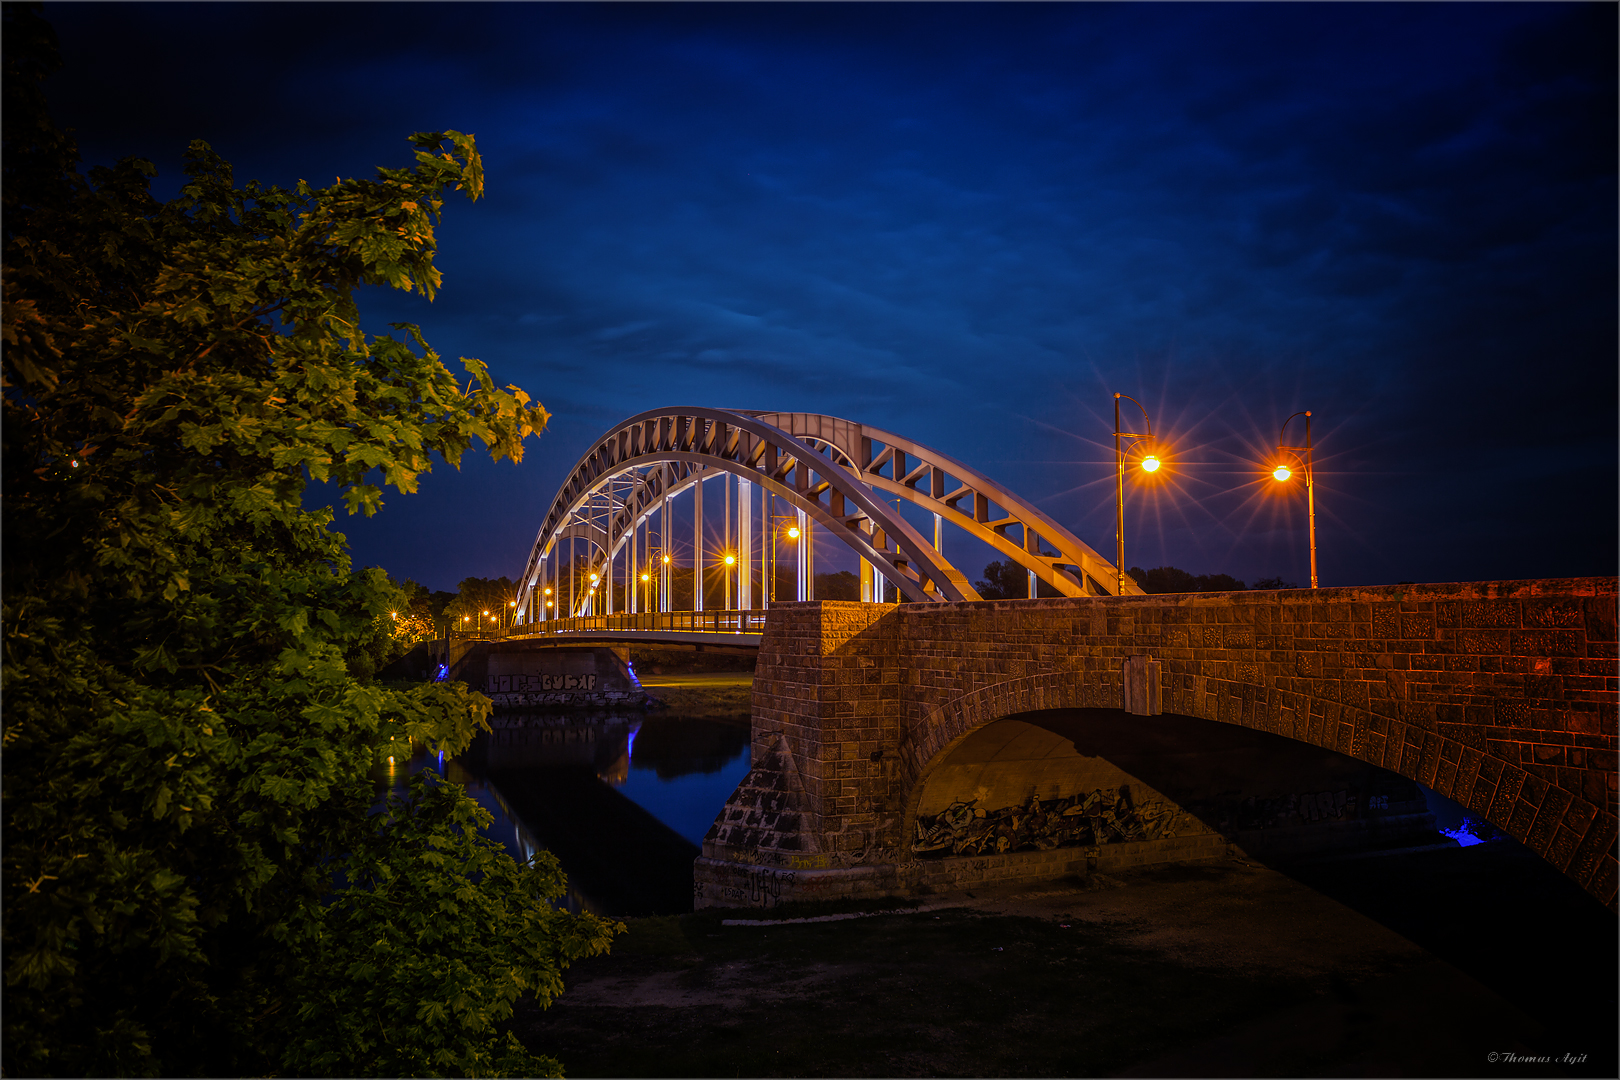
point(1415, 964)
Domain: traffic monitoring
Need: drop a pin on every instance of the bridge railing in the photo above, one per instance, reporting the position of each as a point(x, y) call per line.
point(716, 622)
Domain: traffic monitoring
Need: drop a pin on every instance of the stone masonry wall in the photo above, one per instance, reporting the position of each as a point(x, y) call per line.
point(1500, 695)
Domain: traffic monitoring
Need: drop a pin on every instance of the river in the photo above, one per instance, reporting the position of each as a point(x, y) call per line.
point(622, 799)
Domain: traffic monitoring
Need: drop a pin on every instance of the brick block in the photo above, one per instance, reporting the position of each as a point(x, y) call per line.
point(1417, 625)
point(1548, 818)
point(1490, 613)
point(1595, 846)
point(1548, 642)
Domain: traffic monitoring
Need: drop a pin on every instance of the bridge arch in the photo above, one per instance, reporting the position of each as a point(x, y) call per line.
point(932, 749)
point(836, 472)
point(1500, 696)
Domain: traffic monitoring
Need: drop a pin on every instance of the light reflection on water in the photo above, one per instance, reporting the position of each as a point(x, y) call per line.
point(622, 799)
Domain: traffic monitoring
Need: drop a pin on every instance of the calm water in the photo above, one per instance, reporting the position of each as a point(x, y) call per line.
point(622, 799)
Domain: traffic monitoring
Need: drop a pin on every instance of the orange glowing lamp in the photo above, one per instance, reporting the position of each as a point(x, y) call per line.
point(1281, 472)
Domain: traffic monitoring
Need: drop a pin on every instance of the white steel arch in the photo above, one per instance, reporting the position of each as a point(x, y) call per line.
point(827, 468)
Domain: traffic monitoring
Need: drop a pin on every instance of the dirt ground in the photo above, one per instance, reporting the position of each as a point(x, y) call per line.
point(1416, 965)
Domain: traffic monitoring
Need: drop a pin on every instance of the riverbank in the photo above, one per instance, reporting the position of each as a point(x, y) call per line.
point(1418, 964)
point(709, 693)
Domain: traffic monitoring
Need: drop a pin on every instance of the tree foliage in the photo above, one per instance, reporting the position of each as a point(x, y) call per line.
point(1009, 581)
point(1168, 579)
point(194, 882)
point(841, 585)
point(482, 604)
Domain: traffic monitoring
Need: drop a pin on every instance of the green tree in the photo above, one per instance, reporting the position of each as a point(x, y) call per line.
point(1169, 579)
point(842, 585)
point(194, 881)
point(478, 601)
point(1274, 583)
point(1009, 581)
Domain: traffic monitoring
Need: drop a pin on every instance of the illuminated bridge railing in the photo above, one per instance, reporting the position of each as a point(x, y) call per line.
point(716, 622)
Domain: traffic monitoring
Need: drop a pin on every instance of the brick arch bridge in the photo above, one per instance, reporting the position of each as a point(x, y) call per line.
point(1499, 695)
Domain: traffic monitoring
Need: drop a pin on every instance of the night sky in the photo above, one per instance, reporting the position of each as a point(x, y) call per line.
point(972, 225)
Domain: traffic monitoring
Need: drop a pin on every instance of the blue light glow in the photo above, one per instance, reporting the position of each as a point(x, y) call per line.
point(1463, 837)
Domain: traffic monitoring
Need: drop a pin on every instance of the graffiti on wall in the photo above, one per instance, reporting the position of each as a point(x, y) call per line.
point(746, 886)
point(1112, 815)
point(1105, 816)
point(534, 684)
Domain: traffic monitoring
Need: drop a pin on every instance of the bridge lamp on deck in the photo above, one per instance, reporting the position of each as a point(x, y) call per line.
point(1151, 462)
point(1301, 460)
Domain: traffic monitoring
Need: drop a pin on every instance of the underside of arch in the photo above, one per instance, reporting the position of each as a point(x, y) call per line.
point(1164, 789)
point(933, 739)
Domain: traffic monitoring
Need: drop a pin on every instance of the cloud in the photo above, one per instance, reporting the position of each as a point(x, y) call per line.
point(974, 223)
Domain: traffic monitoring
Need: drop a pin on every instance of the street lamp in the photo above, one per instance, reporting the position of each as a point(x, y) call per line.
point(1150, 463)
point(1282, 473)
point(792, 533)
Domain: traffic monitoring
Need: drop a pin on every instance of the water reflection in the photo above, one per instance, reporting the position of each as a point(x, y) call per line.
point(622, 799)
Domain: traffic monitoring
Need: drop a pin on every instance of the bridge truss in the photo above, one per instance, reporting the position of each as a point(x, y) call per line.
point(837, 476)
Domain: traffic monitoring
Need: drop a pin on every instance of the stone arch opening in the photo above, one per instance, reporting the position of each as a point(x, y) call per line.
point(1037, 792)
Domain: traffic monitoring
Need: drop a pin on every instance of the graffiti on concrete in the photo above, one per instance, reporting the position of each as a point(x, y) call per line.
point(751, 886)
point(1105, 816)
point(534, 684)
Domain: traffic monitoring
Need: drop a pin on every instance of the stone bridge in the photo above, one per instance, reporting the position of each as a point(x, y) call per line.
point(874, 724)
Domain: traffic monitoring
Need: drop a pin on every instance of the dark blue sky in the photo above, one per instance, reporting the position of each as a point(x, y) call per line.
point(971, 225)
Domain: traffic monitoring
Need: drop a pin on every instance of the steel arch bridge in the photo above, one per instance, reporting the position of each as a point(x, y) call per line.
point(836, 475)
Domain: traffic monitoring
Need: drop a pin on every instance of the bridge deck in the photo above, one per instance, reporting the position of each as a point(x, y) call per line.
point(718, 627)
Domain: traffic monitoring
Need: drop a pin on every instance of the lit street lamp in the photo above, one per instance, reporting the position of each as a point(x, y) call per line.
point(792, 533)
point(1282, 473)
point(1150, 464)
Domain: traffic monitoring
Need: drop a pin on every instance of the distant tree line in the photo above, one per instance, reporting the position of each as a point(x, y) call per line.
point(1007, 580)
point(1169, 579)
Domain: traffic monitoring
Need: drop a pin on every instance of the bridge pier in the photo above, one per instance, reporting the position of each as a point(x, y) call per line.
point(1501, 696)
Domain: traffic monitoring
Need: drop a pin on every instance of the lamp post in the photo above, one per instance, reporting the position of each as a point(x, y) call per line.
point(1150, 464)
point(1282, 473)
point(792, 533)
